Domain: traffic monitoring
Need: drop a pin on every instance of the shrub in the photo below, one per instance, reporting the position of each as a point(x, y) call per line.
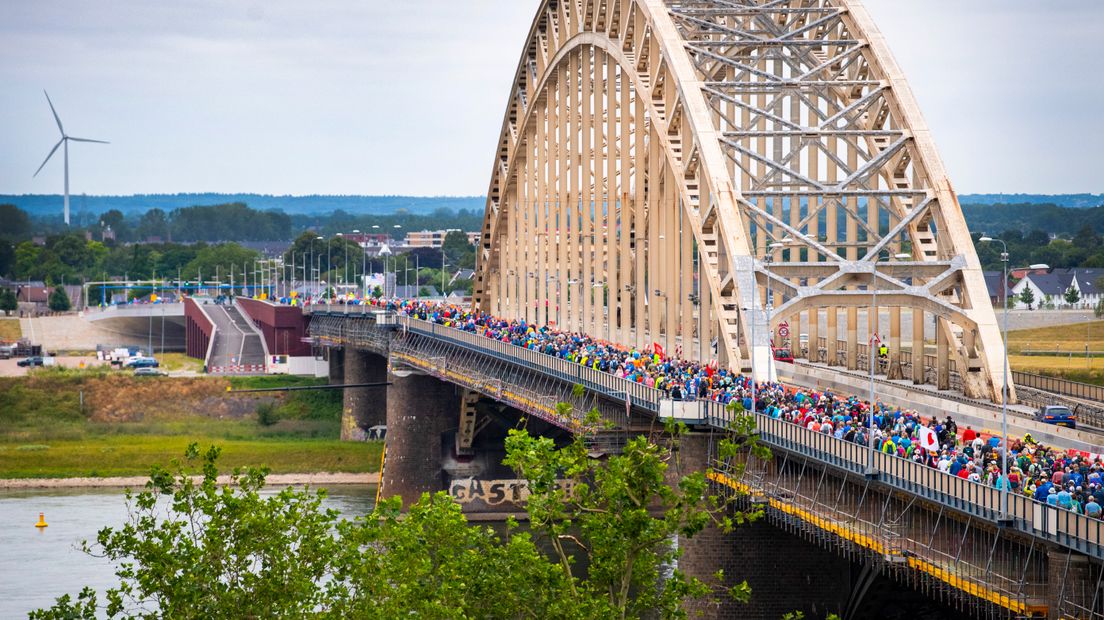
point(266, 414)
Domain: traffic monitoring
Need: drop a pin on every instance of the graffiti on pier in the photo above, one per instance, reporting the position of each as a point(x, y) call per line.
point(496, 492)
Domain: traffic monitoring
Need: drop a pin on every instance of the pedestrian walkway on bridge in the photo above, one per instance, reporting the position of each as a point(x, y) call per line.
point(1068, 479)
point(237, 347)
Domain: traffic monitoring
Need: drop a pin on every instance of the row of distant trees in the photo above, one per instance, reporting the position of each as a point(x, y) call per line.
point(1085, 248)
point(71, 259)
point(235, 222)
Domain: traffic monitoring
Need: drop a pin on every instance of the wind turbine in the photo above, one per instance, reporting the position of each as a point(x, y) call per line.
point(64, 140)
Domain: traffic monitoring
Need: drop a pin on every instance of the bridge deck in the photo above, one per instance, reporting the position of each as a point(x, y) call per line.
point(237, 347)
point(1030, 517)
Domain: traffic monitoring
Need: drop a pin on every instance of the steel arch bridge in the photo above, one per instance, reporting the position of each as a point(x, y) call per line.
point(686, 172)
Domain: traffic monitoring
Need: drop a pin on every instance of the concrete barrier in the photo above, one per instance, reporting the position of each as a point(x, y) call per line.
point(982, 418)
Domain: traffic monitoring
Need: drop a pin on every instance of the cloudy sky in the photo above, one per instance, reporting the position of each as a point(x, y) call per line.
point(385, 97)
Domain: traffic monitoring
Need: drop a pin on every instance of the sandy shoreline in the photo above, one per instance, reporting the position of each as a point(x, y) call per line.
point(315, 480)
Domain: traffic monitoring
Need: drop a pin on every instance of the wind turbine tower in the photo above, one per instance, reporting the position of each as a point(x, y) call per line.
point(63, 141)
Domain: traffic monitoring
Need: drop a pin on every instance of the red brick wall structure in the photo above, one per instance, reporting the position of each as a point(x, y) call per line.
point(283, 327)
point(198, 329)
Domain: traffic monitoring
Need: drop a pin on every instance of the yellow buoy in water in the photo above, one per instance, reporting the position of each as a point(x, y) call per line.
point(41, 520)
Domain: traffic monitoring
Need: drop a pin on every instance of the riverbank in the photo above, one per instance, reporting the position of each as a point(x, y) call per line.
point(314, 479)
point(128, 455)
point(99, 423)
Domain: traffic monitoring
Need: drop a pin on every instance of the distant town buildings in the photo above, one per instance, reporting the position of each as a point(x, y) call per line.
point(365, 240)
point(436, 238)
point(376, 243)
point(1049, 287)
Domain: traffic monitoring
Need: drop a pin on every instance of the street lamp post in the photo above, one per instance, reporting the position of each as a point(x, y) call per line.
point(1004, 517)
point(316, 291)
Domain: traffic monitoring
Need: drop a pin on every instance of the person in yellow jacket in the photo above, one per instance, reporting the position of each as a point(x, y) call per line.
point(889, 446)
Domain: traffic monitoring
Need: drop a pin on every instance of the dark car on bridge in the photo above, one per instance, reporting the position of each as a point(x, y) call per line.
point(31, 361)
point(142, 362)
point(1058, 415)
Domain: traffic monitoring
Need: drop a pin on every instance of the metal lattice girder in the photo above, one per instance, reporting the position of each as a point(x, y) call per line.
point(653, 152)
point(531, 392)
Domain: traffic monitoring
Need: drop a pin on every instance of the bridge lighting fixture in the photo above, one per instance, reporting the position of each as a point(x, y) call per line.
point(1004, 518)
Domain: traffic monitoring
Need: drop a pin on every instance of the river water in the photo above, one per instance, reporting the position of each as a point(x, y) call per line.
point(39, 565)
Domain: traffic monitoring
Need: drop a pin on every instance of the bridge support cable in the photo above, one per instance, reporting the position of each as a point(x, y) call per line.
point(676, 172)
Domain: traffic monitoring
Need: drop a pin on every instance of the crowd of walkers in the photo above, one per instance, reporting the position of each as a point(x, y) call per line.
point(1068, 479)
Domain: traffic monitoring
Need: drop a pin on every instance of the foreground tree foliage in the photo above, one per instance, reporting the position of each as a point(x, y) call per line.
point(194, 548)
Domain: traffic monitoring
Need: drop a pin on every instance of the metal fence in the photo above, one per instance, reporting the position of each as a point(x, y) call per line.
point(640, 395)
point(1072, 530)
point(1059, 386)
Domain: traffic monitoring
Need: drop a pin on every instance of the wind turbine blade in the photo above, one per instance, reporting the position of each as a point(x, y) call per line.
point(60, 128)
point(48, 158)
point(87, 140)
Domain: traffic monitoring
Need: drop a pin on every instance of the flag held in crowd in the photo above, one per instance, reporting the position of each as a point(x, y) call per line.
point(928, 440)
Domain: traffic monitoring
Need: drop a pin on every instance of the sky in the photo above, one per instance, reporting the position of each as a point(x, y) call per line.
point(385, 97)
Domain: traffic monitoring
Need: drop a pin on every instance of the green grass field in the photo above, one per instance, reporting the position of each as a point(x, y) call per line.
point(179, 361)
point(128, 424)
point(135, 455)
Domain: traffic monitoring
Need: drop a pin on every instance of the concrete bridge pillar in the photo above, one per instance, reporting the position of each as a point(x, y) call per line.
point(336, 360)
point(918, 373)
point(893, 367)
point(942, 350)
point(420, 409)
point(1069, 580)
point(814, 336)
point(363, 408)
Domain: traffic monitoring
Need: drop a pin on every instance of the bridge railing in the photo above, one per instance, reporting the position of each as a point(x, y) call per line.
point(604, 383)
point(1062, 526)
point(1059, 386)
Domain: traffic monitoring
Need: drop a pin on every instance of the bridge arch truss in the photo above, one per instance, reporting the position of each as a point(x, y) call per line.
point(686, 172)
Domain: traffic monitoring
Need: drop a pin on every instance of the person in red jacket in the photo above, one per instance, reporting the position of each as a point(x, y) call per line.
point(968, 435)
